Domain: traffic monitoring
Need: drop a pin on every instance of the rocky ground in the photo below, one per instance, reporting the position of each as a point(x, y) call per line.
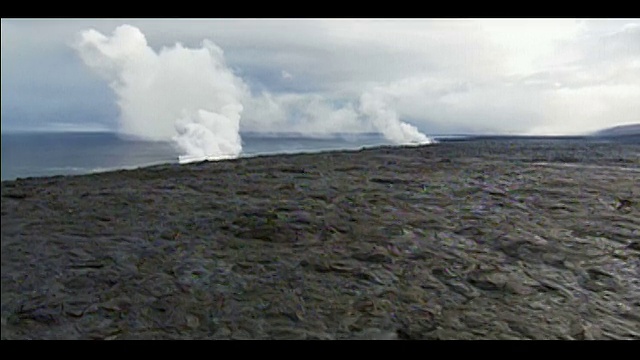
point(488, 239)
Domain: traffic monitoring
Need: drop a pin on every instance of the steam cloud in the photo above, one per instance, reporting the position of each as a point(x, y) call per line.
point(186, 95)
point(385, 119)
point(190, 96)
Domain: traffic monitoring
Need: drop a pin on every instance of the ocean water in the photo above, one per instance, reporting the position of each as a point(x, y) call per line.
point(49, 154)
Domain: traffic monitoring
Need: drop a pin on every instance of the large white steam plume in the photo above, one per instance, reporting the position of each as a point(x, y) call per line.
point(186, 95)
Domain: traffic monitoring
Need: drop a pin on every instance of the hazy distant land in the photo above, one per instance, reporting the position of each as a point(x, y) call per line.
point(623, 130)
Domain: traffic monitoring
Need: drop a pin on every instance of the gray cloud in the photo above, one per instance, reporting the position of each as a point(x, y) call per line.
point(524, 76)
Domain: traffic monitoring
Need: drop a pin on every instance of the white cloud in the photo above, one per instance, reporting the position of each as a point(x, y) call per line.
point(486, 75)
point(187, 95)
point(303, 113)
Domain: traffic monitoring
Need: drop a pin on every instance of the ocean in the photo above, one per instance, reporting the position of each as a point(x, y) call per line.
point(74, 153)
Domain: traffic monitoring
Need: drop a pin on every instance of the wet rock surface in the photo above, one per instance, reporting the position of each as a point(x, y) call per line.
point(465, 240)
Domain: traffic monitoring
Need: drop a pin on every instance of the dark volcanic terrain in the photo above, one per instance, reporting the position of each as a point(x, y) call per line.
point(485, 239)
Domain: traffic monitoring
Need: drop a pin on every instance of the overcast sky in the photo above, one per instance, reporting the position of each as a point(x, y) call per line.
point(520, 76)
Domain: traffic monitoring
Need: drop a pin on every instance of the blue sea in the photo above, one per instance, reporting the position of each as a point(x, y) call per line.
point(74, 153)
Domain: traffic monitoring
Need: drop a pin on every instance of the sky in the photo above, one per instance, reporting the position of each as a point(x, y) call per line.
point(193, 80)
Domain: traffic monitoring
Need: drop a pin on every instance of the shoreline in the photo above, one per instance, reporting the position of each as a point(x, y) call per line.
point(436, 140)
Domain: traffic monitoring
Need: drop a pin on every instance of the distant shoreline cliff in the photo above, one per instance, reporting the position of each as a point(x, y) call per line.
point(623, 130)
